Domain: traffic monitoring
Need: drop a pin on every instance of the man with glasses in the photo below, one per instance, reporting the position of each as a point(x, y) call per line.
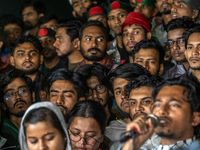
point(16, 96)
point(96, 77)
point(176, 45)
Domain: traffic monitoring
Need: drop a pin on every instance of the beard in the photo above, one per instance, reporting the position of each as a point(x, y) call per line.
point(166, 12)
point(93, 57)
point(83, 18)
point(31, 71)
point(49, 58)
point(28, 25)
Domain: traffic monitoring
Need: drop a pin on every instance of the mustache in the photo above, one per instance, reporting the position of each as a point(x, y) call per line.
point(96, 49)
point(62, 107)
point(27, 62)
point(141, 113)
point(117, 26)
point(20, 100)
point(130, 42)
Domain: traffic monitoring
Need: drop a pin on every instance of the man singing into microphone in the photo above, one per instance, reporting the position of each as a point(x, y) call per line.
point(177, 106)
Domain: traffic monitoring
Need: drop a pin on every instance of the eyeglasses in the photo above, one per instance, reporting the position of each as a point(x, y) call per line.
point(88, 140)
point(10, 95)
point(180, 42)
point(99, 89)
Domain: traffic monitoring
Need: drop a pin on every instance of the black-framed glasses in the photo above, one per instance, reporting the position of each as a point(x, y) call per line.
point(10, 95)
point(100, 88)
point(180, 42)
point(88, 140)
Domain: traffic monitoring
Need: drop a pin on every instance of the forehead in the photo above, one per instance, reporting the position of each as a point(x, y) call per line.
point(49, 23)
point(15, 83)
point(95, 17)
point(62, 85)
point(176, 33)
point(46, 37)
point(26, 46)
point(194, 38)
point(149, 52)
point(144, 91)
point(94, 31)
point(120, 82)
point(93, 81)
point(116, 12)
point(11, 26)
point(61, 31)
point(131, 27)
point(28, 9)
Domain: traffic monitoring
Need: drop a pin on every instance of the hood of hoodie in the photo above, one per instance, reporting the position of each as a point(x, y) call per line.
point(58, 113)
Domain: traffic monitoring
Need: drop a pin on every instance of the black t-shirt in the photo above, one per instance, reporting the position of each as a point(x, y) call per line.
point(123, 55)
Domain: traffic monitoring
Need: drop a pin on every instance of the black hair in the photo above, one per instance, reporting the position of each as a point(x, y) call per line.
point(145, 44)
point(38, 6)
point(43, 114)
point(46, 18)
point(9, 76)
point(72, 28)
point(126, 71)
point(23, 39)
point(93, 23)
point(178, 23)
point(190, 31)
point(143, 80)
point(192, 97)
point(89, 109)
point(11, 19)
point(64, 74)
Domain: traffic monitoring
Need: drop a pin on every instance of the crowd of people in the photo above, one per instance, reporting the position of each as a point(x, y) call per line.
point(121, 75)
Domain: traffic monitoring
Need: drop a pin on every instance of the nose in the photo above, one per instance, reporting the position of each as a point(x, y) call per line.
point(195, 51)
point(42, 145)
point(60, 99)
point(95, 94)
point(173, 9)
point(117, 20)
point(55, 44)
point(138, 9)
point(130, 36)
point(145, 65)
point(44, 44)
point(175, 46)
point(94, 43)
point(163, 110)
point(139, 107)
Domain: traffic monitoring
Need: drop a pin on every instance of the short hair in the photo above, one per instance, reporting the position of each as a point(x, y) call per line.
point(38, 6)
point(9, 76)
point(192, 97)
point(11, 19)
point(190, 31)
point(43, 114)
point(127, 71)
point(183, 22)
point(145, 44)
point(46, 18)
point(89, 109)
point(72, 28)
point(93, 23)
point(64, 74)
point(143, 80)
point(97, 70)
point(23, 39)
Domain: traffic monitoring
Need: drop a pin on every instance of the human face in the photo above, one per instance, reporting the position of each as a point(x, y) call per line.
point(18, 106)
point(140, 101)
point(85, 128)
point(181, 8)
point(93, 44)
point(64, 95)
point(132, 34)
point(30, 17)
point(12, 32)
point(100, 18)
point(132, 3)
point(27, 58)
point(149, 59)
point(115, 20)
point(63, 43)
point(164, 6)
point(119, 86)
point(49, 51)
point(146, 10)
point(42, 135)
point(80, 6)
point(174, 112)
point(177, 51)
point(93, 83)
point(52, 24)
point(192, 53)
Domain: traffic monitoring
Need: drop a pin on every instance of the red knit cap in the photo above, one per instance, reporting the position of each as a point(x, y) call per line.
point(136, 18)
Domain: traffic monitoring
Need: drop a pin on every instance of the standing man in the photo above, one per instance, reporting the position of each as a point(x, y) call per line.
point(26, 55)
point(31, 11)
point(116, 13)
point(93, 42)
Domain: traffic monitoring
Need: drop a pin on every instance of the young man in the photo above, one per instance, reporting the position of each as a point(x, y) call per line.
point(116, 13)
point(177, 106)
point(176, 45)
point(93, 42)
point(150, 55)
point(118, 78)
point(26, 56)
point(134, 29)
point(51, 60)
point(48, 21)
point(65, 89)
point(16, 97)
point(31, 11)
point(192, 52)
point(67, 43)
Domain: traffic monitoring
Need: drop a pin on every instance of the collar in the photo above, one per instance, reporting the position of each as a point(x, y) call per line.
point(163, 27)
point(37, 78)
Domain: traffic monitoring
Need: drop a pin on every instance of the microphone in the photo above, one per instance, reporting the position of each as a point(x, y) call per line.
point(134, 132)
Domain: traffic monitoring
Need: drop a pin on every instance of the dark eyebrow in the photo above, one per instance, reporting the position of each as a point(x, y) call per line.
point(48, 133)
point(144, 98)
point(117, 88)
point(132, 99)
point(182, 2)
point(88, 36)
point(17, 87)
point(75, 2)
point(136, 28)
point(58, 36)
point(54, 91)
point(27, 50)
point(170, 100)
point(65, 91)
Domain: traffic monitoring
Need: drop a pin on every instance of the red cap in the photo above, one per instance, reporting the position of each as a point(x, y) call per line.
point(136, 18)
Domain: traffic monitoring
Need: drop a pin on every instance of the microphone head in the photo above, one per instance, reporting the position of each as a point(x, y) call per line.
point(154, 119)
